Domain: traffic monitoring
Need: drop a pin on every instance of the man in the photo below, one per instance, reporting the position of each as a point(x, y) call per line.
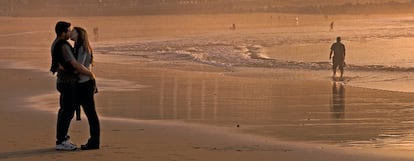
point(338, 60)
point(66, 66)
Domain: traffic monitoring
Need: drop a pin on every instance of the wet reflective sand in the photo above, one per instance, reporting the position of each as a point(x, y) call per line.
point(275, 103)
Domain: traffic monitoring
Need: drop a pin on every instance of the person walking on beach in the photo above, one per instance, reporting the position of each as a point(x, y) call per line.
point(338, 58)
point(86, 86)
point(65, 65)
point(331, 26)
point(96, 33)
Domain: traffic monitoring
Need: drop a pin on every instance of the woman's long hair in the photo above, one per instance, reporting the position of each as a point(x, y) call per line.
point(83, 40)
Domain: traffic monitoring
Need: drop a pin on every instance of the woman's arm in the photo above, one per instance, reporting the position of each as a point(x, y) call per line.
point(78, 67)
point(82, 69)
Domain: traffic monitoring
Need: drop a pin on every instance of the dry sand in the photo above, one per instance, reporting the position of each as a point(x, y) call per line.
point(28, 133)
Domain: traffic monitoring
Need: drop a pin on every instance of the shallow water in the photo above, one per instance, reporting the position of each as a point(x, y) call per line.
point(378, 49)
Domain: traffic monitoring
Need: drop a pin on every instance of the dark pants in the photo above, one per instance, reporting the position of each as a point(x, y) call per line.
point(67, 108)
point(86, 92)
point(338, 62)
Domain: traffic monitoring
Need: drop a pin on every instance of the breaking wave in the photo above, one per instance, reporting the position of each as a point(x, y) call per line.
point(220, 53)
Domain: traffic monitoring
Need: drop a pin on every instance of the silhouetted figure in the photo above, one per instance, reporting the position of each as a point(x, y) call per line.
point(338, 59)
point(338, 100)
point(86, 86)
point(331, 26)
point(96, 33)
point(64, 64)
point(233, 27)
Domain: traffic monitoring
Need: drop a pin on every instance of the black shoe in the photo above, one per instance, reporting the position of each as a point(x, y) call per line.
point(89, 146)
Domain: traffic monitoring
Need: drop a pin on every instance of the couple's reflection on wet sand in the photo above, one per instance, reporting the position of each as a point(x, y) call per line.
point(195, 91)
point(338, 100)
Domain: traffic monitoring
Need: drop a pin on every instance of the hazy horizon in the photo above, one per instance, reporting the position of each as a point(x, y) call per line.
point(142, 7)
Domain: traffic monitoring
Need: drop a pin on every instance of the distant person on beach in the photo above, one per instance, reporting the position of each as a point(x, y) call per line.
point(233, 26)
point(332, 25)
point(86, 86)
point(66, 67)
point(338, 58)
point(96, 33)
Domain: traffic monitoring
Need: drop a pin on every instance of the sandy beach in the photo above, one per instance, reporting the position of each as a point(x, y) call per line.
point(28, 134)
point(156, 110)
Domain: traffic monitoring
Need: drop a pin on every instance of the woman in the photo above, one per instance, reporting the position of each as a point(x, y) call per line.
point(86, 86)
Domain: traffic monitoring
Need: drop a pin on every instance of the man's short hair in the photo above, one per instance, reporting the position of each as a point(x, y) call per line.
point(61, 27)
point(338, 38)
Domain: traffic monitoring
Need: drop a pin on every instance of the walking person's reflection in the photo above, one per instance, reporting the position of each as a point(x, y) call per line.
point(338, 100)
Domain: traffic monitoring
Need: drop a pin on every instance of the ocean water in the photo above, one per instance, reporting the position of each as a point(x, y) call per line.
point(379, 52)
